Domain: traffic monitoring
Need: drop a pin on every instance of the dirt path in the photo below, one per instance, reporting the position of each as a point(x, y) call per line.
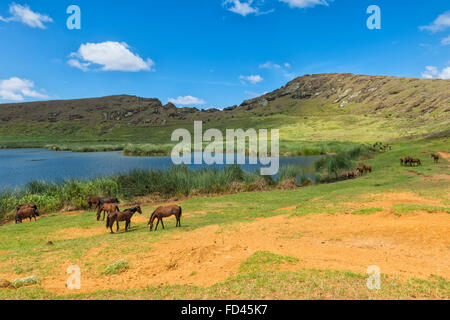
point(413, 245)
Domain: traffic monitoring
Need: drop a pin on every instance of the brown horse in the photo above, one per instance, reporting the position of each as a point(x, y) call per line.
point(165, 212)
point(360, 171)
point(29, 211)
point(93, 200)
point(367, 168)
point(121, 216)
point(406, 161)
point(107, 208)
point(436, 157)
point(416, 162)
point(108, 200)
point(350, 175)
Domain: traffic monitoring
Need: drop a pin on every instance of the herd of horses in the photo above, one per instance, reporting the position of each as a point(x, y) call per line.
point(408, 161)
point(110, 208)
point(360, 171)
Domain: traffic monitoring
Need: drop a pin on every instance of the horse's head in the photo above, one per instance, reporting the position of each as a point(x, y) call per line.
point(138, 209)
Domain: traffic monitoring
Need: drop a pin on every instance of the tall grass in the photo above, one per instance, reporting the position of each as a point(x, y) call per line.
point(335, 164)
point(176, 181)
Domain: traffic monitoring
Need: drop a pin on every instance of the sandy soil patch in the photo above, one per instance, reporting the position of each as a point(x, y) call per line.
point(445, 155)
point(408, 246)
point(387, 200)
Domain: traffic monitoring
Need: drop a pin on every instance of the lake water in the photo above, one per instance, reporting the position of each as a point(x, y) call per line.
point(20, 166)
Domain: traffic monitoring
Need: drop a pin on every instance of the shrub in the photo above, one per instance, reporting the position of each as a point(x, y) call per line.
point(117, 267)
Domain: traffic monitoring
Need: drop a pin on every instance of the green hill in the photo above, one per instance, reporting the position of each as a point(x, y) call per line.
point(312, 108)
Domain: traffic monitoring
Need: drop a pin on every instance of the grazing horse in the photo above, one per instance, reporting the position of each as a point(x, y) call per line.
point(436, 157)
point(107, 208)
point(93, 200)
point(416, 162)
point(360, 171)
point(26, 212)
point(350, 175)
point(121, 216)
point(165, 212)
point(367, 168)
point(406, 161)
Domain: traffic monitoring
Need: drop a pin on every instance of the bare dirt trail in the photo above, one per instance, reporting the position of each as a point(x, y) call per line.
point(412, 245)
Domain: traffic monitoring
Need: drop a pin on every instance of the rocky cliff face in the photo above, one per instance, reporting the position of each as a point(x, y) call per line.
point(362, 94)
point(334, 93)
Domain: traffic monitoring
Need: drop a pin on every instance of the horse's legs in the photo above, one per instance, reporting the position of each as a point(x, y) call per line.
point(117, 222)
point(162, 222)
point(157, 225)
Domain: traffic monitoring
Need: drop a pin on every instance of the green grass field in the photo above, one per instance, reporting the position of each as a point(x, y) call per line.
point(259, 274)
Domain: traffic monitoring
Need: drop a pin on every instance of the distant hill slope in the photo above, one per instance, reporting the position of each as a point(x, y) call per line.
point(412, 105)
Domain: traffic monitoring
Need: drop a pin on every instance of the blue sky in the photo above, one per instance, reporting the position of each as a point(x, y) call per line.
point(211, 53)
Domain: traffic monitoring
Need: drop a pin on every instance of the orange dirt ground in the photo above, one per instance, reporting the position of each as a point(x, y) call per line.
point(412, 245)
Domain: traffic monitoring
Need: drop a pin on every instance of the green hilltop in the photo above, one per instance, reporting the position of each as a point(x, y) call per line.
point(321, 109)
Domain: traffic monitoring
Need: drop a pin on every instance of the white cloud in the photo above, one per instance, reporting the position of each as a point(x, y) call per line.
point(441, 23)
point(16, 89)
point(111, 56)
point(77, 64)
point(187, 101)
point(432, 72)
point(25, 15)
point(304, 3)
point(242, 8)
point(280, 68)
point(253, 79)
point(446, 41)
point(269, 65)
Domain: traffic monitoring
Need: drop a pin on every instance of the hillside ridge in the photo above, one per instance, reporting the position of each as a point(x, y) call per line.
point(333, 92)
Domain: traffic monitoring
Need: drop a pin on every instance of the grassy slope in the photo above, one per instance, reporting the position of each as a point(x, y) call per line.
point(377, 109)
point(29, 254)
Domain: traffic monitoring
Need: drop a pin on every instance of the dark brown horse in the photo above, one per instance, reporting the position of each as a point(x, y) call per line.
point(416, 162)
point(29, 211)
point(406, 161)
point(367, 168)
point(121, 216)
point(107, 208)
point(93, 201)
point(436, 157)
point(102, 201)
point(165, 212)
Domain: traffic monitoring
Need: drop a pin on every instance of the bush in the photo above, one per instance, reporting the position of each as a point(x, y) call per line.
point(117, 267)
